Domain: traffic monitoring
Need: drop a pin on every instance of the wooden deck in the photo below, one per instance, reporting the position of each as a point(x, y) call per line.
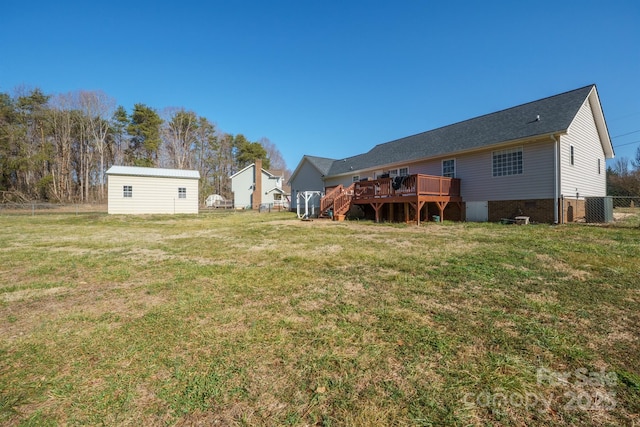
point(413, 191)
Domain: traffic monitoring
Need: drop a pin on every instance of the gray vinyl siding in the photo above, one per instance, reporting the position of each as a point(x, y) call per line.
point(432, 167)
point(268, 184)
point(151, 195)
point(242, 188)
point(477, 182)
point(344, 180)
point(582, 177)
point(308, 178)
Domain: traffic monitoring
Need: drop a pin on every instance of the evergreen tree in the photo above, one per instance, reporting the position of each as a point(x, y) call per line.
point(144, 129)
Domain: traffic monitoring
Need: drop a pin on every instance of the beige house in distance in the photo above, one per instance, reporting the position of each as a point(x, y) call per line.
point(141, 190)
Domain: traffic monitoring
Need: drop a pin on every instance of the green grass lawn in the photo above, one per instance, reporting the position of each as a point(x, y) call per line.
point(261, 319)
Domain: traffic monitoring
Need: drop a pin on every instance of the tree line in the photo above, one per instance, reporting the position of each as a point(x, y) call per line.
point(57, 147)
point(623, 178)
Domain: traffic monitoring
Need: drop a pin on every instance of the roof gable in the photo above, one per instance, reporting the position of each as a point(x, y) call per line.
point(276, 190)
point(552, 115)
point(321, 164)
point(601, 124)
point(252, 166)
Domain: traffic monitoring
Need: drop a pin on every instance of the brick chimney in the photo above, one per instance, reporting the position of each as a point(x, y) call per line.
point(257, 187)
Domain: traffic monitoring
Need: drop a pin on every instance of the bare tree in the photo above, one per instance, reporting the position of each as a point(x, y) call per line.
point(97, 108)
point(206, 150)
point(61, 127)
point(621, 166)
point(277, 162)
point(180, 136)
point(224, 165)
point(636, 161)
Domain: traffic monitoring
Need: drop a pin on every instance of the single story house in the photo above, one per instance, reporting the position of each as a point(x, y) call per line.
point(539, 159)
point(142, 190)
point(251, 193)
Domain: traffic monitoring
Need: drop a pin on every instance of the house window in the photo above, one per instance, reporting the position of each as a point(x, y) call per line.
point(356, 178)
point(403, 171)
point(572, 157)
point(393, 173)
point(507, 162)
point(127, 191)
point(182, 192)
point(449, 168)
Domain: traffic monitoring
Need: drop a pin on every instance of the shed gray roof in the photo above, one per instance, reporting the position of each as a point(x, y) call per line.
point(154, 172)
point(517, 123)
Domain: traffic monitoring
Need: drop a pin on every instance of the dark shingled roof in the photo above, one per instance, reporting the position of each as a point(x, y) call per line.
point(556, 114)
point(323, 164)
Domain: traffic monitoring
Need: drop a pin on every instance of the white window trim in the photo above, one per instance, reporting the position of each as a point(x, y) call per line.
point(505, 151)
point(454, 166)
point(355, 178)
point(572, 155)
point(403, 171)
point(182, 194)
point(127, 191)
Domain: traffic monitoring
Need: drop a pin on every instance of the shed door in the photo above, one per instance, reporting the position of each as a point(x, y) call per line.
point(477, 211)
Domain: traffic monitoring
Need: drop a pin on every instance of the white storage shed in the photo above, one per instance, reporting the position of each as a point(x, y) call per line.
point(141, 190)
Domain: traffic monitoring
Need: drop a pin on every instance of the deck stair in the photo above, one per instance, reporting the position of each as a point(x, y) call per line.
point(338, 200)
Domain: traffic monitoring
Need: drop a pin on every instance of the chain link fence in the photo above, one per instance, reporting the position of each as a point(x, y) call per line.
point(40, 208)
point(613, 210)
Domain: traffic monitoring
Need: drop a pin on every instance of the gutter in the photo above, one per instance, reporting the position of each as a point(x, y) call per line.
point(497, 146)
point(556, 179)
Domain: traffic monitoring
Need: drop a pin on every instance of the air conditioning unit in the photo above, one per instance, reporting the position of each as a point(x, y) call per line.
point(598, 209)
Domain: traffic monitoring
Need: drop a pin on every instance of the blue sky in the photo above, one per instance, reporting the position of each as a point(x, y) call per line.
point(330, 78)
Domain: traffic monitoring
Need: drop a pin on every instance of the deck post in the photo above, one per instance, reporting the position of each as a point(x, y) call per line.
point(441, 206)
point(420, 204)
point(417, 192)
point(414, 205)
point(376, 207)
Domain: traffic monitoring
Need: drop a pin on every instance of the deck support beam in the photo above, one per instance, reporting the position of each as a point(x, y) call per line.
point(441, 206)
point(376, 207)
point(417, 207)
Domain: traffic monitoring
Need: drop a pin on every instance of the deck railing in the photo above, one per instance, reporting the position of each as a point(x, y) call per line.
point(342, 201)
point(411, 185)
point(338, 199)
point(327, 200)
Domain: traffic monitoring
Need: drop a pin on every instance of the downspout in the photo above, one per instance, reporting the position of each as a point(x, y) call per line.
point(556, 179)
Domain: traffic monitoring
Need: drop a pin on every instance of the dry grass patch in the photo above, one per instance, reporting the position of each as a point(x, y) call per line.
point(248, 319)
point(563, 268)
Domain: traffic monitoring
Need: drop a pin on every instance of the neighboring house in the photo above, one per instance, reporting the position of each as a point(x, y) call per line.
point(139, 190)
point(539, 159)
point(251, 193)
